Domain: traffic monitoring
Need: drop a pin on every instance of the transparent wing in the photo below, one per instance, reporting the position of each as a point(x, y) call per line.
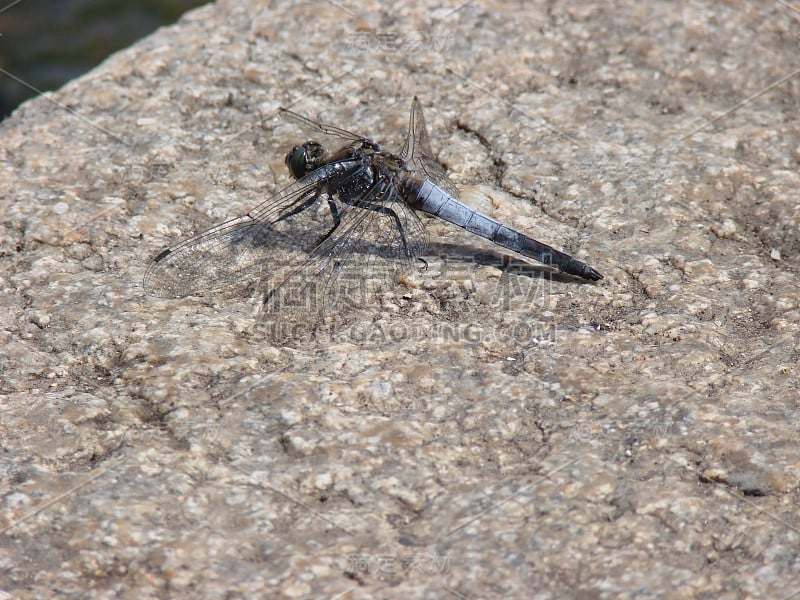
point(418, 154)
point(378, 239)
point(252, 249)
point(315, 128)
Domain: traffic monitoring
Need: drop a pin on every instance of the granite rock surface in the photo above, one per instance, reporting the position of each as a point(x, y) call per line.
point(503, 433)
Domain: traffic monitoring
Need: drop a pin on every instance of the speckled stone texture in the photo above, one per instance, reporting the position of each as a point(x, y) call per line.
point(502, 434)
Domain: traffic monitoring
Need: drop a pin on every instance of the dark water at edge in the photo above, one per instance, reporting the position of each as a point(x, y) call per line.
point(45, 43)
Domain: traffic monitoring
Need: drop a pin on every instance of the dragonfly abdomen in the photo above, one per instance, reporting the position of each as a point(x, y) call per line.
point(428, 198)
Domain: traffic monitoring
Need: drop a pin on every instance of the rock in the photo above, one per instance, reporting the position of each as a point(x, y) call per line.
point(526, 432)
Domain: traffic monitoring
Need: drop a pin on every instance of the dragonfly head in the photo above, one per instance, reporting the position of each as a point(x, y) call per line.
point(301, 160)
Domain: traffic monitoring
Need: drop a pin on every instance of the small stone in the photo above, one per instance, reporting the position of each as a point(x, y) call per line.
point(714, 474)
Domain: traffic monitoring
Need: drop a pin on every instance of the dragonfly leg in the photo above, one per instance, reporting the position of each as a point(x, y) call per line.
point(336, 220)
point(383, 210)
point(310, 198)
point(313, 196)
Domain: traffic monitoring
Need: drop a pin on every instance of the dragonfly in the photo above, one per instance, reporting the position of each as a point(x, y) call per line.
point(345, 227)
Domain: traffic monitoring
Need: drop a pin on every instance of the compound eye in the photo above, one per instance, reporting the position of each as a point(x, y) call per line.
point(297, 160)
point(304, 159)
